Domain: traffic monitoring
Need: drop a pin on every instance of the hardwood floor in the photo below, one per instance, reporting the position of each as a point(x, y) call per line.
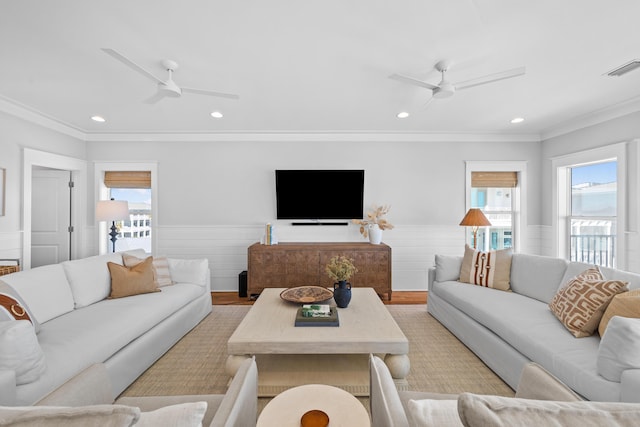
point(399, 297)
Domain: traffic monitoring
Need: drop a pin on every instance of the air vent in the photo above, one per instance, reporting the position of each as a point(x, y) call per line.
point(624, 69)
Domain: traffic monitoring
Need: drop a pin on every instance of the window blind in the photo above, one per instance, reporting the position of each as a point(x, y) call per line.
point(127, 179)
point(494, 179)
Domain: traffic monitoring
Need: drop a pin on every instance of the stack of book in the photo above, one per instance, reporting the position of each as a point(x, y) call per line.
point(317, 315)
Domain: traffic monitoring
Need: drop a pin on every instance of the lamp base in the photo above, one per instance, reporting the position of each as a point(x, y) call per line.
point(114, 235)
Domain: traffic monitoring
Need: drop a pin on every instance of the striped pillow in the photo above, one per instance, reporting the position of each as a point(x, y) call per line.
point(161, 273)
point(490, 269)
point(580, 303)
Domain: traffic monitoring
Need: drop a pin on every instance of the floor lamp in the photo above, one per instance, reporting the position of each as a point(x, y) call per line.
point(475, 219)
point(112, 210)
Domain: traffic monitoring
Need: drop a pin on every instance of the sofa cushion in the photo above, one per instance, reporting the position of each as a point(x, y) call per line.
point(20, 351)
point(447, 267)
point(54, 416)
point(494, 411)
point(490, 269)
point(94, 333)
point(89, 278)
point(161, 273)
point(183, 415)
point(579, 304)
point(427, 412)
point(625, 304)
point(136, 280)
point(45, 290)
point(189, 270)
point(619, 348)
point(536, 276)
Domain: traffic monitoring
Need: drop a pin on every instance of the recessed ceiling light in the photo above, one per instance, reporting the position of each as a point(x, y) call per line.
point(517, 120)
point(402, 115)
point(216, 114)
point(98, 119)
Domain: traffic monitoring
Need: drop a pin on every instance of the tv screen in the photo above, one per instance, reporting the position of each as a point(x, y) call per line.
point(319, 194)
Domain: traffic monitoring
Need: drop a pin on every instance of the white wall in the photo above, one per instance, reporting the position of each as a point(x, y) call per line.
point(622, 129)
point(15, 135)
point(214, 197)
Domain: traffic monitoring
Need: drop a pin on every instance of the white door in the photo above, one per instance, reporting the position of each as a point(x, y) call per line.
point(50, 217)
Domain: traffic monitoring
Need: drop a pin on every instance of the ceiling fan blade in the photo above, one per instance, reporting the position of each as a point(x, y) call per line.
point(155, 98)
point(129, 63)
point(210, 93)
point(412, 81)
point(490, 78)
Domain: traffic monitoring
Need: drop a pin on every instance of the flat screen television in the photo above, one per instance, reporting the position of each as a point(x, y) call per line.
point(319, 194)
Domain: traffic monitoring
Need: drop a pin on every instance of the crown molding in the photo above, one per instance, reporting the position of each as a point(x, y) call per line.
point(13, 107)
point(322, 136)
point(629, 106)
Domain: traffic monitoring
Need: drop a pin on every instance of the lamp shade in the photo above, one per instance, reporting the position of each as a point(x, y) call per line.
point(112, 210)
point(475, 218)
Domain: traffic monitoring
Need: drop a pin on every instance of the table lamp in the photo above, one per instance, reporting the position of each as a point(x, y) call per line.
point(475, 219)
point(112, 210)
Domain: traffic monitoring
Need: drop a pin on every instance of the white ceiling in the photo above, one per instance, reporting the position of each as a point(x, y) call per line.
point(305, 66)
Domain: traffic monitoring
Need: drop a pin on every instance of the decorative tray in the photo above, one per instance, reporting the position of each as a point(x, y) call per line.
point(306, 294)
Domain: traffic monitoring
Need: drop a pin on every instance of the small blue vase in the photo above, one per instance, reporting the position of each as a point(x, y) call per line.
point(342, 293)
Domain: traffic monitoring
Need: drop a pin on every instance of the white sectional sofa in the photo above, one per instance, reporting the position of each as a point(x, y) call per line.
point(508, 329)
point(78, 326)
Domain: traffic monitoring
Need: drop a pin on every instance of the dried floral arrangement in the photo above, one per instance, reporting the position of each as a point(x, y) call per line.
point(340, 268)
point(374, 216)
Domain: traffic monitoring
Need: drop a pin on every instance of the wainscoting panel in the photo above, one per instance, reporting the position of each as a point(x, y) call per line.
point(11, 245)
point(413, 247)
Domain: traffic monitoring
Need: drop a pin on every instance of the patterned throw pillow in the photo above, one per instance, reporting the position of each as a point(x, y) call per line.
point(626, 304)
point(580, 303)
point(490, 269)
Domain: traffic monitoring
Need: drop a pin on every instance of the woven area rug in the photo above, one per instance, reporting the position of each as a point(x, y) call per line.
point(439, 362)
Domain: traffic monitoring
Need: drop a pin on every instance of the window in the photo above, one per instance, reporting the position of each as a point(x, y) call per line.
point(498, 189)
point(590, 205)
point(132, 233)
point(593, 213)
point(492, 192)
point(135, 183)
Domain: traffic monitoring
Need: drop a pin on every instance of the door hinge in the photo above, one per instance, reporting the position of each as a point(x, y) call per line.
point(70, 229)
point(71, 184)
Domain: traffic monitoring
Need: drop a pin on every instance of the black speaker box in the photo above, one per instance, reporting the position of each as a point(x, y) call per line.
point(242, 284)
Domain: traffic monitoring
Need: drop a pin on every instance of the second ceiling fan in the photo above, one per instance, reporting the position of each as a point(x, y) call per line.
point(445, 88)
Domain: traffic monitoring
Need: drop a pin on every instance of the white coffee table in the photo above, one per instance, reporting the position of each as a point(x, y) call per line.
point(287, 408)
point(289, 356)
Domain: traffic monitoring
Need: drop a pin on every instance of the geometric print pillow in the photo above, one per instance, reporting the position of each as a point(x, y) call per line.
point(580, 303)
point(489, 269)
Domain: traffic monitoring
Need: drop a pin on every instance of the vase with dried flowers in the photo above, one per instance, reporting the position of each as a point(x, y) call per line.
point(341, 268)
point(373, 225)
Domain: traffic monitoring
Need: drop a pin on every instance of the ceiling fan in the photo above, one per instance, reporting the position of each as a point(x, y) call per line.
point(166, 88)
point(445, 88)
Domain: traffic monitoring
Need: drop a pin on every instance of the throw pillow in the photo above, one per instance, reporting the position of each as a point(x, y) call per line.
point(12, 305)
point(493, 411)
point(161, 273)
point(59, 416)
point(428, 412)
point(20, 351)
point(447, 268)
point(132, 281)
point(619, 348)
point(580, 303)
point(183, 415)
point(490, 269)
point(626, 304)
